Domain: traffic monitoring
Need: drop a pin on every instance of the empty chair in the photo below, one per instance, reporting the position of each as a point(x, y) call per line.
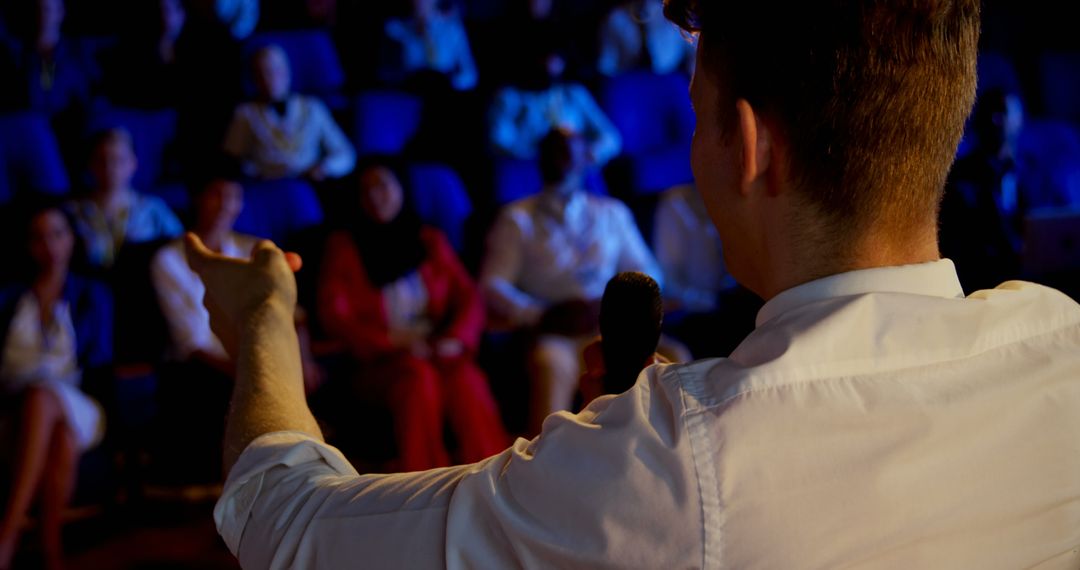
point(30, 158)
point(277, 209)
point(384, 122)
point(316, 68)
point(654, 116)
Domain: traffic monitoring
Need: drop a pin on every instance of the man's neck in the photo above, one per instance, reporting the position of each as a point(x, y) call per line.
point(810, 259)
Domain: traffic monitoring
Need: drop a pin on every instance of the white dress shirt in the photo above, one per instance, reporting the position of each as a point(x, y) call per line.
point(521, 118)
point(273, 146)
point(874, 419)
point(180, 296)
point(546, 249)
point(441, 45)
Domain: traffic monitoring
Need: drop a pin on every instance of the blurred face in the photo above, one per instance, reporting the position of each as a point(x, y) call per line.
point(51, 240)
point(381, 195)
point(114, 164)
point(220, 204)
point(272, 74)
point(172, 18)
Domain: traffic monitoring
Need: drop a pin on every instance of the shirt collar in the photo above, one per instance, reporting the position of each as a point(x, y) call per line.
point(933, 279)
point(564, 208)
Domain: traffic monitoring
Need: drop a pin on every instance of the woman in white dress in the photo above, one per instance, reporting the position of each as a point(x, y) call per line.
point(55, 330)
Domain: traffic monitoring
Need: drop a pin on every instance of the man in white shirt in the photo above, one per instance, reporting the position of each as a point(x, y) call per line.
point(284, 134)
point(549, 257)
point(875, 418)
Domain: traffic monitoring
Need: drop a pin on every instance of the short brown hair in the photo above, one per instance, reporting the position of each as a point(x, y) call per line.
point(871, 94)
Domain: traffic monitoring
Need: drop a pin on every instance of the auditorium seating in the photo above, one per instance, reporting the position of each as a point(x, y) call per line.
point(30, 158)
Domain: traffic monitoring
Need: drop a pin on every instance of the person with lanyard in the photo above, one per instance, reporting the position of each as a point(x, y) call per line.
point(112, 213)
point(284, 134)
point(876, 416)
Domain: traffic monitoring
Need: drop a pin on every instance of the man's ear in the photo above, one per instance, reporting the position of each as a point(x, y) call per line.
point(757, 146)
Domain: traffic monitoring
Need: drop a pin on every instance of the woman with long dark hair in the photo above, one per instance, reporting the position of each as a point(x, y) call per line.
point(56, 331)
point(394, 292)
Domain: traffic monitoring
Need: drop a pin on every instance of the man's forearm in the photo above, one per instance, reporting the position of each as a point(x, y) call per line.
point(269, 391)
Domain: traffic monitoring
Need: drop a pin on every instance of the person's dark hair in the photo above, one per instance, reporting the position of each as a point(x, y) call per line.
point(390, 250)
point(872, 96)
point(17, 218)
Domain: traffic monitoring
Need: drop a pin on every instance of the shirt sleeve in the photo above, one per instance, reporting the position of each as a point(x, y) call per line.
point(340, 157)
point(465, 74)
point(501, 270)
point(605, 142)
point(173, 282)
point(584, 493)
point(511, 125)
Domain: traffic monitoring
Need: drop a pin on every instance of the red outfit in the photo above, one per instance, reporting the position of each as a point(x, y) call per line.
point(420, 392)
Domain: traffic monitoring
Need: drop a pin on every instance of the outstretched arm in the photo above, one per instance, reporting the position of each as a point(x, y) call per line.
point(252, 305)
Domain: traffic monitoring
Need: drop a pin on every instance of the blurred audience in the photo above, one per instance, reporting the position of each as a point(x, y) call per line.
point(522, 115)
point(112, 213)
point(395, 294)
point(636, 35)
point(44, 70)
point(689, 252)
point(284, 134)
point(239, 16)
point(982, 210)
point(432, 39)
point(56, 329)
point(548, 261)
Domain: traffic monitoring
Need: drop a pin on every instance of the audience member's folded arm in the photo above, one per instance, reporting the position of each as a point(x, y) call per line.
point(340, 157)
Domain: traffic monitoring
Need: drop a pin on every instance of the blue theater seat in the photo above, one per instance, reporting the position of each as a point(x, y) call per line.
point(384, 122)
point(440, 199)
point(1050, 153)
point(30, 158)
point(278, 209)
point(654, 116)
point(316, 68)
point(1060, 78)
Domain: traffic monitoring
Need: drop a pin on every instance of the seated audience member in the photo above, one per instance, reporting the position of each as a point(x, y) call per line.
point(197, 378)
point(636, 35)
point(549, 259)
point(45, 71)
point(55, 335)
point(113, 214)
point(689, 252)
point(982, 211)
point(875, 418)
point(394, 292)
point(521, 116)
point(434, 40)
point(284, 134)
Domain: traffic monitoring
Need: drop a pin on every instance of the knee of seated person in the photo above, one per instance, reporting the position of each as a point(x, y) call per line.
point(553, 351)
point(41, 401)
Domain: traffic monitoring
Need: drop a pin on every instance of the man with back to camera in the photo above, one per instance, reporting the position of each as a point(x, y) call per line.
point(875, 417)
